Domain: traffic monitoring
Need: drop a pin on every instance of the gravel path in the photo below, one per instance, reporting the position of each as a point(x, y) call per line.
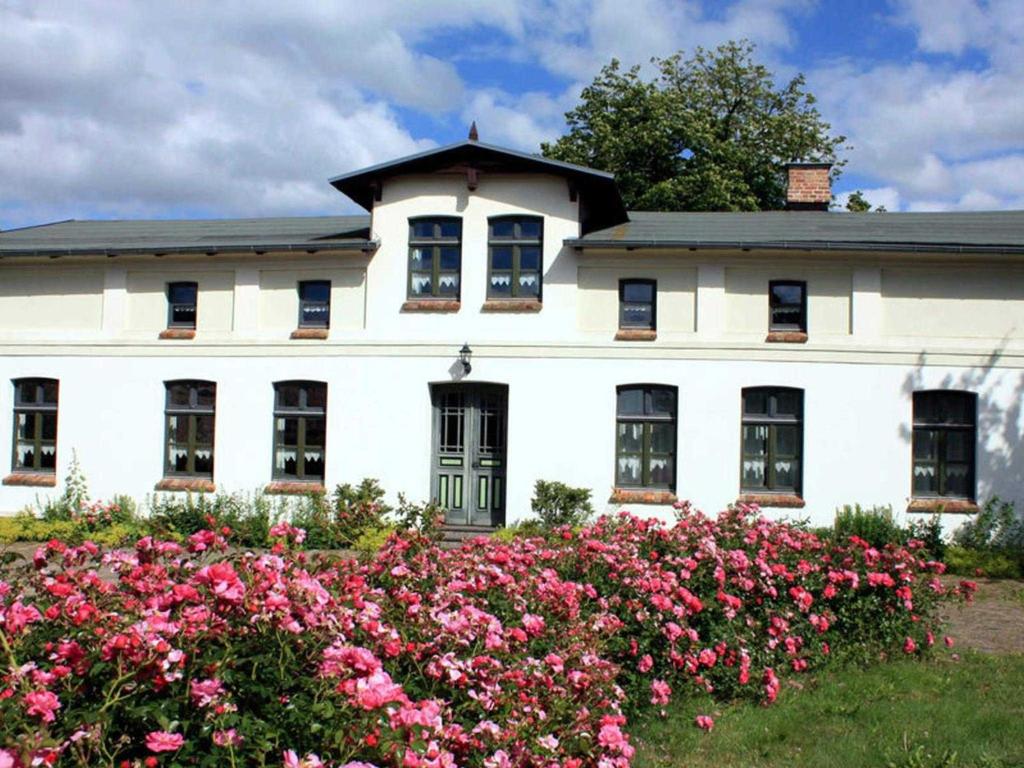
point(994, 621)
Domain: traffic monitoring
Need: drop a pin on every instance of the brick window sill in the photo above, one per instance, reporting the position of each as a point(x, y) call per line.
point(945, 506)
point(281, 488)
point(787, 337)
point(310, 333)
point(511, 305)
point(31, 480)
point(195, 484)
point(179, 334)
point(431, 305)
point(779, 500)
point(636, 334)
point(628, 496)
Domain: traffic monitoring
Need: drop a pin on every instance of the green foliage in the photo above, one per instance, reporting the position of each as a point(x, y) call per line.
point(76, 494)
point(857, 203)
point(979, 562)
point(712, 132)
point(427, 518)
point(338, 522)
point(524, 529)
point(247, 518)
point(877, 526)
point(997, 527)
point(559, 504)
point(371, 540)
point(873, 524)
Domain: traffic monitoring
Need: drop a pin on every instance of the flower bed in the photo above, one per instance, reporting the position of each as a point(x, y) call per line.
point(524, 653)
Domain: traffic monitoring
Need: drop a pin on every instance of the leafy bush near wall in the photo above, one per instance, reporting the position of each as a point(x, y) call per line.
point(557, 504)
point(877, 526)
point(530, 654)
point(992, 542)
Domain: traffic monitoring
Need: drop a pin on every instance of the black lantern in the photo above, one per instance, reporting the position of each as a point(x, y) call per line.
point(464, 355)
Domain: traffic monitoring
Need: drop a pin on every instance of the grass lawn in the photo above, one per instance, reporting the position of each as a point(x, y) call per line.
point(963, 714)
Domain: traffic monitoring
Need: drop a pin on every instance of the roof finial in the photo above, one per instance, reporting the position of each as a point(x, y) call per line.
point(473, 135)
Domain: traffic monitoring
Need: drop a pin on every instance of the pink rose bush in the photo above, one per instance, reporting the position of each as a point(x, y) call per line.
point(532, 653)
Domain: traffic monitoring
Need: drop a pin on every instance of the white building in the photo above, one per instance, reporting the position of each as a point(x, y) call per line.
point(802, 359)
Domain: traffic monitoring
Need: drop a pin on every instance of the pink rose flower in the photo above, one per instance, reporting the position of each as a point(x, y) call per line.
point(704, 722)
point(162, 741)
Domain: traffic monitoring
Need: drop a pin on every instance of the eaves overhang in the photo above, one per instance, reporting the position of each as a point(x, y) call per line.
point(212, 249)
point(583, 244)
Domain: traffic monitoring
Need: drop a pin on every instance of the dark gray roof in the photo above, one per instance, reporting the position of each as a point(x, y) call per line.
point(66, 238)
point(601, 206)
point(989, 231)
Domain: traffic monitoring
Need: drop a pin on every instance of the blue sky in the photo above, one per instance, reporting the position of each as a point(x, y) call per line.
point(149, 109)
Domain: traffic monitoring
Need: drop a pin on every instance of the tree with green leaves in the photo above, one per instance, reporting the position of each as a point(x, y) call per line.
point(857, 203)
point(712, 132)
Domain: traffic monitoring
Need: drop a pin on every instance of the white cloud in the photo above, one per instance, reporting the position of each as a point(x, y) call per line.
point(943, 135)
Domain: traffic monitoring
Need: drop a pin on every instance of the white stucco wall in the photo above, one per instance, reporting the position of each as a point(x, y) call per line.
point(561, 422)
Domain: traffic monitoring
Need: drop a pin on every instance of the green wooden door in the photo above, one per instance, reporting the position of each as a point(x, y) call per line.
point(468, 458)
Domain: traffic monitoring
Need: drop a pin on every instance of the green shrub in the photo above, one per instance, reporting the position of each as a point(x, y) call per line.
point(558, 504)
point(873, 524)
point(972, 562)
point(997, 527)
point(247, 517)
point(372, 540)
point(525, 529)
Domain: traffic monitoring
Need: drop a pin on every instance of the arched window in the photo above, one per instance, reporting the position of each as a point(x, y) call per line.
point(945, 432)
point(300, 431)
point(645, 437)
point(772, 437)
point(189, 416)
point(35, 425)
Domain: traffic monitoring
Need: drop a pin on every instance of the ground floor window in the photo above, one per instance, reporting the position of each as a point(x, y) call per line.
point(35, 425)
point(645, 443)
point(945, 431)
point(772, 436)
point(189, 417)
point(300, 430)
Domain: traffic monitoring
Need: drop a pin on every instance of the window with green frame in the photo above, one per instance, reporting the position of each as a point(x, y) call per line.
point(435, 257)
point(772, 436)
point(645, 437)
point(300, 430)
point(944, 435)
point(35, 425)
point(189, 419)
point(515, 264)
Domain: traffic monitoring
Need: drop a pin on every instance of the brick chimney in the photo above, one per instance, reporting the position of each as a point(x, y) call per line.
point(808, 187)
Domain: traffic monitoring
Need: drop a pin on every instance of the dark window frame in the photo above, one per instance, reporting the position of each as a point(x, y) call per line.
point(35, 410)
point(516, 242)
point(943, 428)
point(773, 305)
point(772, 420)
point(435, 244)
point(623, 325)
point(305, 304)
point(173, 305)
point(192, 411)
point(648, 420)
point(303, 413)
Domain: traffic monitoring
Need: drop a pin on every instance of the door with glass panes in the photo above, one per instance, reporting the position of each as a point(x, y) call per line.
point(468, 457)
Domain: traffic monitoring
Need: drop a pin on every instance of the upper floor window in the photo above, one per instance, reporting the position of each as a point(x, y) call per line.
point(787, 301)
point(645, 442)
point(772, 439)
point(638, 304)
point(435, 257)
point(945, 432)
point(300, 431)
point(181, 305)
point(35, 425)
point(315, 304)
point(189, 419)
point(514, 245)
